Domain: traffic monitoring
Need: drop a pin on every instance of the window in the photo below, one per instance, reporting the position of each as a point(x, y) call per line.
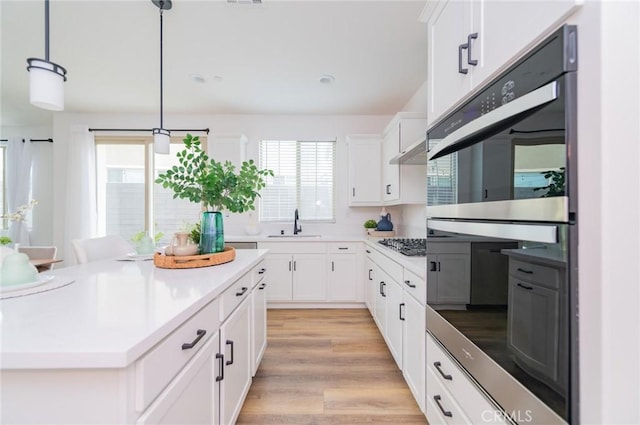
point(3, 182)
point(123, 181)
point(442, 179)
point(303, 179)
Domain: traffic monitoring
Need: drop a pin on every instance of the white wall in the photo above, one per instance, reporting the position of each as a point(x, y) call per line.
point(348, 220)
point(609, 211)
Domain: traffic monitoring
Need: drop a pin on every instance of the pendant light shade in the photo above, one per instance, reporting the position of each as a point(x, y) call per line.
point(161, 141)
point(161, 136)
point(46, 79)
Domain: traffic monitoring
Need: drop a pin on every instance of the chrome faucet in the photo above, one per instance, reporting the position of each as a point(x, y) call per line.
point(296, 229)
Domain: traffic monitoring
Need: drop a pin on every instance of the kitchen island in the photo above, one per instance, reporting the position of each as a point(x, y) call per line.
point(127, 342)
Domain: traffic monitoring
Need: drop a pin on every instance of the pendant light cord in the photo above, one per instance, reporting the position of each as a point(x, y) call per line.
point(46, 30)
point(161, 97)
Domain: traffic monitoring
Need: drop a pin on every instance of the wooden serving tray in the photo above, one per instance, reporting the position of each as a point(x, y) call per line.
point(193, 261)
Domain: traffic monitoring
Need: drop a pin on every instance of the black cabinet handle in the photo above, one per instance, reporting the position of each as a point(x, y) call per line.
point(261, 271)
point(241, 293)
point(370, 270)
point(438, 265)
point(230, 362)
point(381, 283)
point(368, 252)
point(409, 284)
point(353, 192)
point(289, 265)
point(221, 376)
point(384, 285)
point(261, 287)
point(400, 316)
point(528, 288)
point(461, 47)
point(470, 37)
point(388, 189)
point(294, 266)
point(343, 248)
point(333, 266)
point(525, 271)
point(437, 399)
point(486, 194)
point(189, 345)
point(432, 266)
point(446, 376)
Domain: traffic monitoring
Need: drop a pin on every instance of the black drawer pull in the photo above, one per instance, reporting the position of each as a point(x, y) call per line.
point(461, 47)
point(261, 287)
point(437, 399)
point(409, 284)
point(528, 288)
point(525, 271)
point(342, 248)
point(241, 293)
point(384, 285)
point(446, 376)
point(388, 189)
point(368, 252)
point(470, 37)
point(433, 266)
point(230, 362)
point(190, 345)
point(401, 317)
point(261, 271)
point(370, 270)
point(221, 357)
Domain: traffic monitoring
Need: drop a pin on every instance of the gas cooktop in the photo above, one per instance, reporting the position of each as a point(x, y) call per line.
point(416, 247)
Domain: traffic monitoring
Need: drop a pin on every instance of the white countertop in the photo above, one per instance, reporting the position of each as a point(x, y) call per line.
point(290, 238)
point(111, 314)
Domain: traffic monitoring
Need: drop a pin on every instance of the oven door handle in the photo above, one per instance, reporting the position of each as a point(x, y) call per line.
point(495, 121)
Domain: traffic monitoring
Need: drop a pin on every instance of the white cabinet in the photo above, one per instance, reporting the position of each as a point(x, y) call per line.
point(395, 319)
point(258, 317)
point(468, 42)
point(381, 300)
point(451, 397)
point(299, 277)
point(190, 398)
point(364, 170)
point(449, 273)
point(280, 278)
point(235, 345)
point(403, 184)
point(413, 348)
point(370, 284)
point(228, 148)
point(342, 282)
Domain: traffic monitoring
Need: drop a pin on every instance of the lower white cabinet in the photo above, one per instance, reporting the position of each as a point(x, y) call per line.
point(395, 319)
point(342, 277)
point(413, 347)
point(299, 277)
point(236, 374)
point(370, 285)
point(258, 322)
point(190, 398)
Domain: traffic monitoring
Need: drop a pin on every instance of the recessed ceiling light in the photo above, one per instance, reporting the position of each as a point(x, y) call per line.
point(197, 78)
point(327, 79)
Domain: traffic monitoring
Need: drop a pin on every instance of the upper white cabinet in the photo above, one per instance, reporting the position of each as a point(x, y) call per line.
point(470, 41)
point(403, 184)
point(364, 170)
point(228, 148)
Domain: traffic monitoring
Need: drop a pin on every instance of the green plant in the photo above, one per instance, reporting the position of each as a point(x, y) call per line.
point(194, 233)
point(5, 240)
point(216, 185)
point(370, 224)
point(557, 185)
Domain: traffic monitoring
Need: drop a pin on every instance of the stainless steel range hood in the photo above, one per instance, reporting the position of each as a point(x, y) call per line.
point(415, 154)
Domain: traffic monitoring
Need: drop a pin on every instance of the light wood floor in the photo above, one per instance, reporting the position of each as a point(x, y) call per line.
point(327, 367)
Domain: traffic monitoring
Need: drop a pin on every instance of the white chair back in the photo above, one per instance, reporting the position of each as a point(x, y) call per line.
point(39, 253)
point(93, 249)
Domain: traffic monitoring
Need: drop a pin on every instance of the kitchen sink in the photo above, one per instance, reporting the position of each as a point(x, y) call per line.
point(295, 236)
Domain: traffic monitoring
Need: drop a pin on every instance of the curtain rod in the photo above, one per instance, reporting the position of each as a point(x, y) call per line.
point(31, 140)
point(204, 130)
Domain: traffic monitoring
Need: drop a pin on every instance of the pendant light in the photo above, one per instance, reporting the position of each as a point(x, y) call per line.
point(161, 136)
point(46, 79)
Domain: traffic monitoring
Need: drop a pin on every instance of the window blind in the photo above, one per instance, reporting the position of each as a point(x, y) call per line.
point(303, 179)
point(442, 179)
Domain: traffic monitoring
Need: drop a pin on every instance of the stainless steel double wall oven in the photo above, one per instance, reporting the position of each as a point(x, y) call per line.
point(502, 177)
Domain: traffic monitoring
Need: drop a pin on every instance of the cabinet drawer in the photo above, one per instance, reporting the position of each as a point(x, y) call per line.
point(476, 407)
point(393, 269)
point(441, 407)
point(415, 285)
point(234, 295)
point(158, 367)
point(343, 247)
point(294, 247)
point(258, 273)
point(545, 276)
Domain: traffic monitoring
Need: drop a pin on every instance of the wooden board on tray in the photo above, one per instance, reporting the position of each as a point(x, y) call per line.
point(193, 261)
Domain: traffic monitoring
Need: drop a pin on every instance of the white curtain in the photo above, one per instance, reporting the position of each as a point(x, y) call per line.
point(81, 218)
point(19, 160)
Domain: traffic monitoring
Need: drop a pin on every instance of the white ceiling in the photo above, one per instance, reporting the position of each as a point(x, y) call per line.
point(270, 57)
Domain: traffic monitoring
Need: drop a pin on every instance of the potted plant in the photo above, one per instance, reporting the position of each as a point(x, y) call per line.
point(370, 225)
point(215, 185)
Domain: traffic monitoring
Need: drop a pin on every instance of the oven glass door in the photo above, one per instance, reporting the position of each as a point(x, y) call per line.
point(508, 297)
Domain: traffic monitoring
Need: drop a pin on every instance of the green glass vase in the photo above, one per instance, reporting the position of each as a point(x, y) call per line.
point(211, 232)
